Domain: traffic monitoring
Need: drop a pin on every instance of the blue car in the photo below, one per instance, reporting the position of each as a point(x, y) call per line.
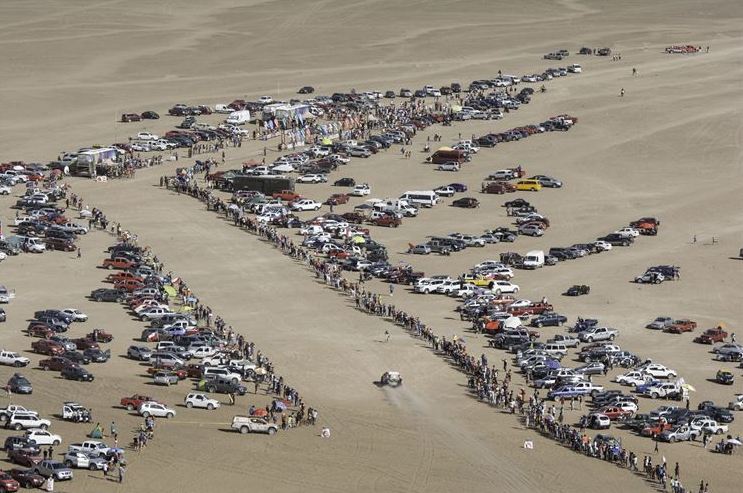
point(566, 392)
point(641, 388)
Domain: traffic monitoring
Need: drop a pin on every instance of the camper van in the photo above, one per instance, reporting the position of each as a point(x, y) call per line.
point(238, 117)
point(399, 205)
point(534, 259)
point(426, 198)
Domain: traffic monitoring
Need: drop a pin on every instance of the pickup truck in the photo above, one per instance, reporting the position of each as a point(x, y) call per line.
point(92, 447)
point(245, 424)
point(286, 195)
point(13, 359)
point(13, 408)
point(388, 221)
point(83, 460)
point(598, 334)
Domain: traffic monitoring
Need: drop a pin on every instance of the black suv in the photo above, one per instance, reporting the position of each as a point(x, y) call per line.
point(224, 387)
point(77, 373)
point(615, 239)
point(105, 294)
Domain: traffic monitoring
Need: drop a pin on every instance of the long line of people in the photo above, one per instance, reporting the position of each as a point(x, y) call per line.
point(483, 379)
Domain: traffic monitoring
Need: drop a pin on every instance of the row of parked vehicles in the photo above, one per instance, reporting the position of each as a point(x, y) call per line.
point(182, 350)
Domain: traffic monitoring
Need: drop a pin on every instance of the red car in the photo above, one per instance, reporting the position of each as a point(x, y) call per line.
point(655, 429)
point(286, 195)
point(7, 483)
point(130, 117)
point(128, 285)
point(194, 371)
point(133, 402)
point(27, 478)
point(181, 373)
point(337, 199)
point(40, 331)
point(118, 263)
point(56, 363)
point(615, 413)
point(711, 336)
point(387, 220)
point(84, 343)
point(681, 326)
point(45, 346)
point(24, 457)
point(100, 335)
point(498, 187)
point(124, 276)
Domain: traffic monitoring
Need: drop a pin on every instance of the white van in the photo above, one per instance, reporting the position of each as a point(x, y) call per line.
point(238, 117)
point(222, 108)
point(426, 198)
point(534, 259)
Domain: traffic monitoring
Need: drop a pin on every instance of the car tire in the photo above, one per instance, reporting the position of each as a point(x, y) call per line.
point(210, 390)
point(244, 430)
point(654, 395)
point(146, 414)
point(272, 431)
point(589, 340)
point(91, 467)
point(189, 404)
point(170, 415)
point(210, 406)
point(129, 407)
point(540, 325)
point(109, 267)
point(44, 426)
point(672, 439)
point(99, 298)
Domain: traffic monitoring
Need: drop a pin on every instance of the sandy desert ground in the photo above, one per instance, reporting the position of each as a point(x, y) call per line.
point(670, 148)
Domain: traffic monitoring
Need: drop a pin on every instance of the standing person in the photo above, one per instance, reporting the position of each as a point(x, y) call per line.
point(79, 252)
point(621, 93)
point(387, 336)
point(392, 293)
point(634, 71)
point(122, 473)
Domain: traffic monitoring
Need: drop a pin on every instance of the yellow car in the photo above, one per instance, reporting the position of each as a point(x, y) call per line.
point(529, 185)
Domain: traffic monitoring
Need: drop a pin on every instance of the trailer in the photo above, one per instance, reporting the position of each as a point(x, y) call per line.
point(268, 185)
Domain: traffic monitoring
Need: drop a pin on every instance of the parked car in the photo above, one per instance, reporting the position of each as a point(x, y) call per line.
point(466, 202)
point(251, 424)
point(155, 409)
point(194, 399)
point(53, 468)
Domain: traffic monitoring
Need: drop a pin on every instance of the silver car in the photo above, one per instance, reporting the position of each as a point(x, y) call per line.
point(141, 353)
point(54, 469)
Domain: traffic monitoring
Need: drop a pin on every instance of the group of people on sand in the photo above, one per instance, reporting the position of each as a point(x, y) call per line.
point(483, 379)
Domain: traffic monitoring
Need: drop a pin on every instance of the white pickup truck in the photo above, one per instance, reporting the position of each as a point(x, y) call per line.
point(598, 334)
point(245, 424)
point(91, 447)
point(82, 460)
point(12, 359)
point(13, 408)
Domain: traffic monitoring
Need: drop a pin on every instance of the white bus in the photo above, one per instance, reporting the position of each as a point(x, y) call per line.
point(426, 198)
